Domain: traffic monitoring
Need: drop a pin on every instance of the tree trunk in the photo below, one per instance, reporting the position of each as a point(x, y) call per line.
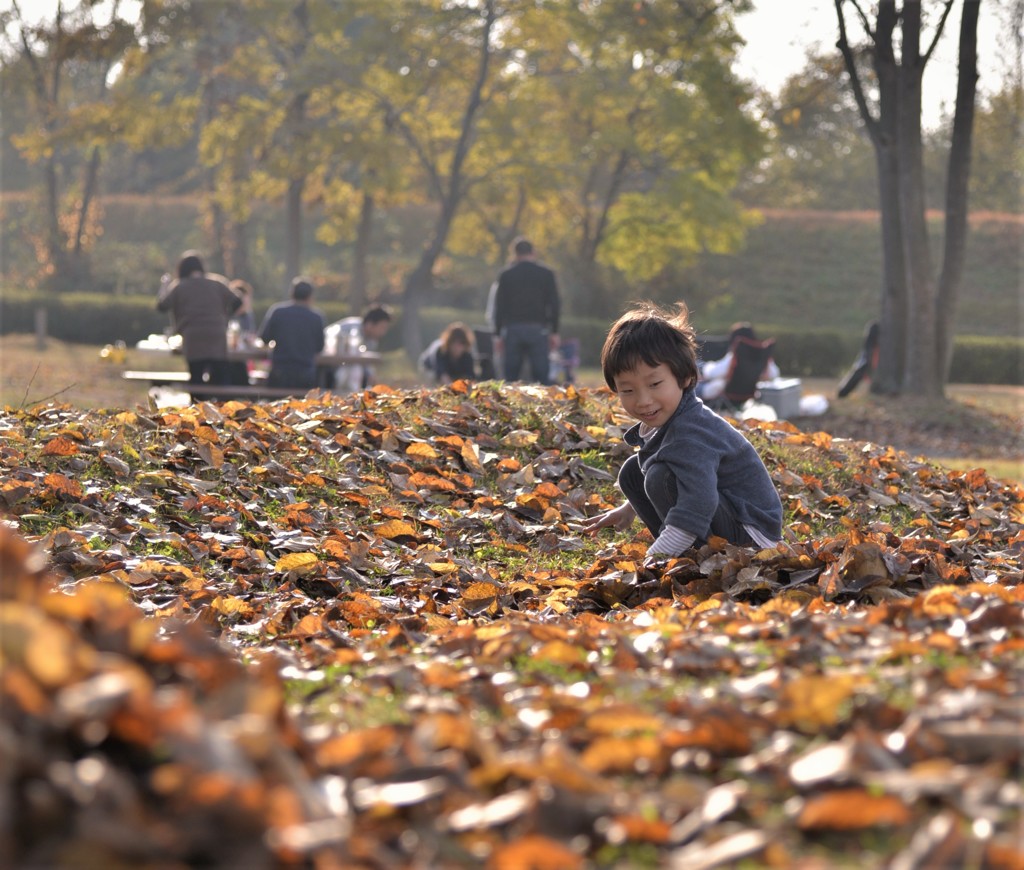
point(54, 238)
point(293, 250)
point(239, 265)
point(421, 281)
point(957, 185)
point(297, 180)
point(451, 193)
point(360, 255)
point(888, 377)
point(920, 376)
point(92, 172)
point(922, 341)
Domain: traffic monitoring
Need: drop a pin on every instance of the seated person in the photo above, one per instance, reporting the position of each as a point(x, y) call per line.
point(296, 331)
point(715, 374)
point(450, 357)
point(241, 331)
point(356, 335)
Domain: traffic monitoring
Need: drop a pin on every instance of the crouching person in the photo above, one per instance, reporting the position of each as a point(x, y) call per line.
point(694, 474)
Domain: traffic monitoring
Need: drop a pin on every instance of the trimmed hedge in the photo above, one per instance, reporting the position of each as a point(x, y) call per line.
point(98, 318)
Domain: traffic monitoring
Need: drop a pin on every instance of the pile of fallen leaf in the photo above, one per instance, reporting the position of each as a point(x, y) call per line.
point(366, 632)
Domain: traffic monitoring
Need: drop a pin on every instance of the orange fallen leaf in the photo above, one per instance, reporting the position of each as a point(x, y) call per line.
point(396, 529)
point(852, 809)
point(60, 446)
point(534, 852)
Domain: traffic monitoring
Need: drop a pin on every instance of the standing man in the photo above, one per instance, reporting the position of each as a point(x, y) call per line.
point(297, 332)
point(200, 304)
point(525, 313)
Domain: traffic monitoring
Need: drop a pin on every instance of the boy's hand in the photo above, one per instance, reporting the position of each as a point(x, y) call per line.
point(620, 519)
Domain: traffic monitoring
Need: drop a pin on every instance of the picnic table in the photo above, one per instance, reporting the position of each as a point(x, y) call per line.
point(170, 347)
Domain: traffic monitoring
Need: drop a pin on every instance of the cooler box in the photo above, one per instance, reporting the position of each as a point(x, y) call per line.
point(782, 395)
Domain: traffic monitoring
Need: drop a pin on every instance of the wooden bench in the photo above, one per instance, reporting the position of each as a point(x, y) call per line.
point(180, 381)
point(156, 379)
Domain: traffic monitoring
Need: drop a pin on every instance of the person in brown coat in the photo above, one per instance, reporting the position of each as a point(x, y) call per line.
point(201, 304)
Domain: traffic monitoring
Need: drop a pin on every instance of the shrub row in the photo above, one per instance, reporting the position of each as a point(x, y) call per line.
point(95, 318)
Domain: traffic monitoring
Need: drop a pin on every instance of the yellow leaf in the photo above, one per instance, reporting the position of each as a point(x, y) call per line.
point(480, 591)
point(422, 450)
point(231, 606)
point(520, 438)
point(813, 702)
point(396, 529)
point(297, 563)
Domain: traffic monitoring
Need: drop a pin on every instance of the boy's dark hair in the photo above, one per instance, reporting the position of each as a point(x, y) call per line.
point(302, 290)
point(376, 314)
point(648, 334)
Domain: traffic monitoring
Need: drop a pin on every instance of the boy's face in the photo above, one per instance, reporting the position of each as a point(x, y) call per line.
point(649, 394)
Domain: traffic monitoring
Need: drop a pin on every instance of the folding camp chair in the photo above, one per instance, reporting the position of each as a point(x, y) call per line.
point(749, 359)
point(483, 341)
point(711, 347)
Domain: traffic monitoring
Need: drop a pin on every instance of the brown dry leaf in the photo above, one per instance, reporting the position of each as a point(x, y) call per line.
point(14, 491)
point(309, 626)
point(622, 754)
point(852, 810)
point(211, 454)
point(521, 438)
point(470, 454)
point(361, 611)
point(63, 487)
point(363, 744)
point(622, 719)
point(430, 481)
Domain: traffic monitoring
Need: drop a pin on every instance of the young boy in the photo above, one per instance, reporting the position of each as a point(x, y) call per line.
point(694, 475)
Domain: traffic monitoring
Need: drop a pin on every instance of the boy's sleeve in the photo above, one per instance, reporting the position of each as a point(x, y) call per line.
point(671, 542)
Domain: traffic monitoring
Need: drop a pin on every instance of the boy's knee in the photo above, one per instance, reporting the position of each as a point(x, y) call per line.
point(660, 487)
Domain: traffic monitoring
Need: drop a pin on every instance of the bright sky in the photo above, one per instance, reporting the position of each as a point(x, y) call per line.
point(779, 33)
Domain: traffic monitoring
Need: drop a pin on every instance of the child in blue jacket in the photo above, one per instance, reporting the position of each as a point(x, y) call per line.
point(694, 474)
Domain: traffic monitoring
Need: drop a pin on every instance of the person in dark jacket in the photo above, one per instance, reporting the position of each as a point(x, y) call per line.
point(296, 330)
point(694, 475)
point(450, 357)
point(201, 304)
point(524, 310)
